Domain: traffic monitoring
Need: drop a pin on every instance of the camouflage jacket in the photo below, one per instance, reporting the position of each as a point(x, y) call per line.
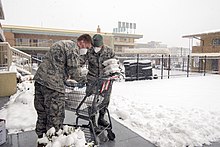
point(60, 62)
point(95, 60)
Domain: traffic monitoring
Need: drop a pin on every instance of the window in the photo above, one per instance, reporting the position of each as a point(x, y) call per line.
point(25, 42)
point(33, 42)
point(18, 42)
point(42, 42)
point(22, 42)
point(216, 42)
point(45, 42)
point(215, 64)
point(196, 62)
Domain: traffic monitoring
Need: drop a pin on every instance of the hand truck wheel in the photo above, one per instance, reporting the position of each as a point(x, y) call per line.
point(111, 135)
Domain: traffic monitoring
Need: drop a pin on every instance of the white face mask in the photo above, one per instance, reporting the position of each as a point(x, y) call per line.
point(97, 49)
point(83, 51)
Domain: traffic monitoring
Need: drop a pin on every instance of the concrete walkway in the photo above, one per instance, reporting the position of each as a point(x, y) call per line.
point(124, 136)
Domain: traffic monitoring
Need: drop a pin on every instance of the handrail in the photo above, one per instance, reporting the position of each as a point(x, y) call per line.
point(9, 55)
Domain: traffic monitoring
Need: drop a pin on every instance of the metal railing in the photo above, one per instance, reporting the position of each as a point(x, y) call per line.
point(166, 66)
point(10, 55)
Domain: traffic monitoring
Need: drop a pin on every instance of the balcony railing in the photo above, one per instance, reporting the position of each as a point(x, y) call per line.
point(10, 55)
point(206, 49)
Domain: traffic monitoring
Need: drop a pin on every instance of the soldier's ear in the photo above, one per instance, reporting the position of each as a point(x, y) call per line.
point(92, 42)
point(79, 44)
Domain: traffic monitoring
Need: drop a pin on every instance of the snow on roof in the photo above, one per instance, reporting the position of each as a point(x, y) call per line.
point(148, 50)
point(135, 61)
point(205, 54)
point(202, 33)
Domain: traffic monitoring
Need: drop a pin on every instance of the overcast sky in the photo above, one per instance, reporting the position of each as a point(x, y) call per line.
point(158, 20)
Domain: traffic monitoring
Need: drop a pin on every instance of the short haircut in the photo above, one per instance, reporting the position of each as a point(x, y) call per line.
point(85, 37)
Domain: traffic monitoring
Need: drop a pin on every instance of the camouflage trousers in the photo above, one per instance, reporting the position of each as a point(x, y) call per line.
point(50, 107)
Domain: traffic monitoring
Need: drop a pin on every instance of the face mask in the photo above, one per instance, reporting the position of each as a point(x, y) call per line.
point(97, 49)
point(83, 51)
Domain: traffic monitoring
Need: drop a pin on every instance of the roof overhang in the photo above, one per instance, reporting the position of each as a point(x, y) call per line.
point(162, 51)
point(205, 54)
point(31, 48)
point(135, 36)
point(202, 34)
point(47, 31)
point(2, 36)
point(1, 11)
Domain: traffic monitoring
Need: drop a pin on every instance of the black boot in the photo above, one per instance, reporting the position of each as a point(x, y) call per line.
point(96, 128)
point(102, 121)
point(41, 145)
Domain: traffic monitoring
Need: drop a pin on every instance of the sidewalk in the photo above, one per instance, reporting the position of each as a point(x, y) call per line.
point(124, 136)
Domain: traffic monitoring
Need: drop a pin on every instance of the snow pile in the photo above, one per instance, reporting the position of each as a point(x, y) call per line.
point(68, 136)
point(170, 112)
point(166, 126)
point(19, 112)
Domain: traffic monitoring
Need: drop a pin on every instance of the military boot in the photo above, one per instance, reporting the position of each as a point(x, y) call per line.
point(96, 128)
point(102, 121)
point(41, 145)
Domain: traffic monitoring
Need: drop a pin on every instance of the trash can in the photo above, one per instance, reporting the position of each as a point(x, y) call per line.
point(137, 70)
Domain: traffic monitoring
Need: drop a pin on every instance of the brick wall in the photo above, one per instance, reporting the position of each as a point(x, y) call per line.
point(9, 36)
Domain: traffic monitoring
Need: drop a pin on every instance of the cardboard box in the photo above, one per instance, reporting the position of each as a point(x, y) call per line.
point(2, 132)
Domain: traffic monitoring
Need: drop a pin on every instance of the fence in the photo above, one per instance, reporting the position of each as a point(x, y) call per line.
point(166, 66)
point(10, 55)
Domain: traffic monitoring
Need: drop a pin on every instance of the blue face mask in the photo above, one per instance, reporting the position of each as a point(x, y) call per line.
point(97, 49)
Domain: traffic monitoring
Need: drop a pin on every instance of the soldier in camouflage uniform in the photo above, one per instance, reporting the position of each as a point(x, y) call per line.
point(61, 62)
point(95, 57)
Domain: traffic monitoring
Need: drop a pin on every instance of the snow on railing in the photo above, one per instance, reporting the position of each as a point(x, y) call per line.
point(9, 55)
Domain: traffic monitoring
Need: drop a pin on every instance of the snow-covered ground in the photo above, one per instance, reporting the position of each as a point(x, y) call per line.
point(172, 112)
